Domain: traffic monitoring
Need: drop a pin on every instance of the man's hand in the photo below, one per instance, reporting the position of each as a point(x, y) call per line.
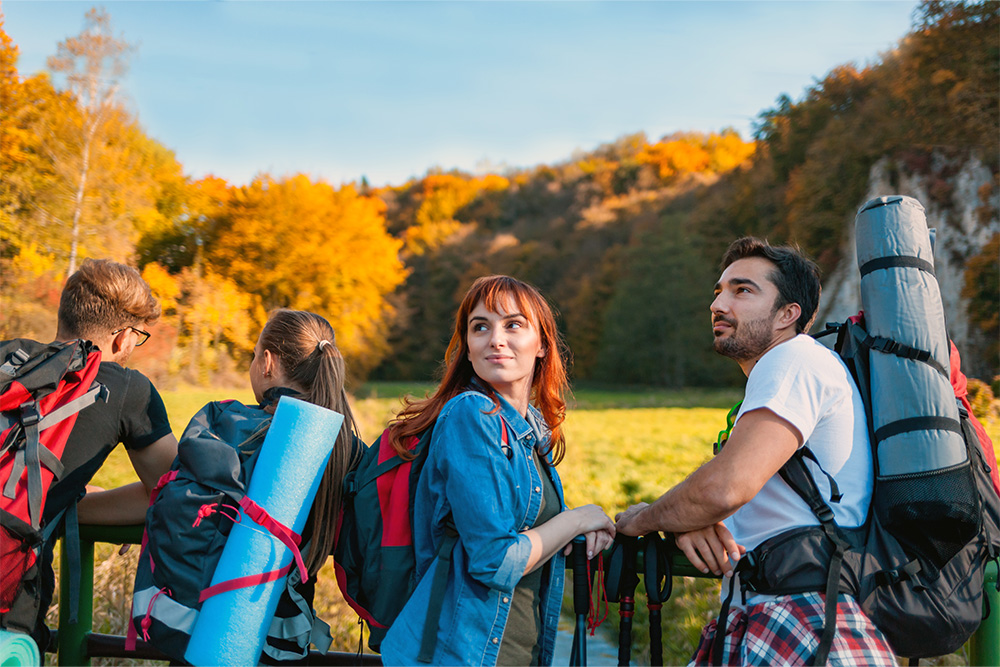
point(710, 548)
point(626, 521)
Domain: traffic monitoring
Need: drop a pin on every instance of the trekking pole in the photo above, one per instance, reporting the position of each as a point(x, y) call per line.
point(581, 602)
point(659, 585)
point(619, 585)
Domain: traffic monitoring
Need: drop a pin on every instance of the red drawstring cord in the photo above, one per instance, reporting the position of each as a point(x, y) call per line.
point(594, 617)
point(209, 509)
point(147, 620)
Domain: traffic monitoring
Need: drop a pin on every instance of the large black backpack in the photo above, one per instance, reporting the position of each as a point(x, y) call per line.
point(917, 565)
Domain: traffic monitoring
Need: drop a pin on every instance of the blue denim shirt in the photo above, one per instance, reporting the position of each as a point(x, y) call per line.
point(492, 498)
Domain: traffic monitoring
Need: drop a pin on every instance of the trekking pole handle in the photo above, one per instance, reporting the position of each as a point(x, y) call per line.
point(581, 582)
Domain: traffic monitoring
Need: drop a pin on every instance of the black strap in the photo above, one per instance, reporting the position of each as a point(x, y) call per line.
point(32, 463)
point(903, 261)
point(904, 351)
point(659, 582)
point(835, 494)
point(830, 606)
point(917, 424)
point(896, 575)
point(20, 528)
point(797, 476)
point(722, 626)
point(428, 643)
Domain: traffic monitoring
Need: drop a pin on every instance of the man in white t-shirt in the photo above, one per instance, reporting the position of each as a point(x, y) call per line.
point(798, 394)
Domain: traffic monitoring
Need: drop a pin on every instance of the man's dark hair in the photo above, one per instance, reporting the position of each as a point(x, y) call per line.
point(795, 275)
point(102, 296)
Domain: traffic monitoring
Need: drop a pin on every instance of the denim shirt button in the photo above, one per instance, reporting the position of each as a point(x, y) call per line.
point(506, 599)
point(538, 489)
point(495, 640)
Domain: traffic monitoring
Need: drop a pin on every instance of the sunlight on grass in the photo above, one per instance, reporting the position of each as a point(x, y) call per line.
point(622, 447)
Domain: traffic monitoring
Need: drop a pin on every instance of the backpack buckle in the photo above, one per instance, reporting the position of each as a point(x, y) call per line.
point(747, 569)
point(29, 414)
point(887, 345)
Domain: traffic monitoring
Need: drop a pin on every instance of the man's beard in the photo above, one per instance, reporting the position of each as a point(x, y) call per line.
point(747, 340)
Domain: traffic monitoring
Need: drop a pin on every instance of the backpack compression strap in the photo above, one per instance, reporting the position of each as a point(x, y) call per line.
point(283, 533)
point(32, 455)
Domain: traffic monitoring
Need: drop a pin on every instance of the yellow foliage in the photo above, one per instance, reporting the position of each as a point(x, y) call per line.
point(301, 244)
point(218, 310)
point(163, 285)
point(32, 261)
point(442, 197)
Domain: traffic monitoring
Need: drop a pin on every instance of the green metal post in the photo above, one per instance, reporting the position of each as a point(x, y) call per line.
point(984, 647)
point(73, 636)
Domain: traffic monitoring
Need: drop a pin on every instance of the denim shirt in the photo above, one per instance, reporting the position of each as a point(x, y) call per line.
point(492, 498)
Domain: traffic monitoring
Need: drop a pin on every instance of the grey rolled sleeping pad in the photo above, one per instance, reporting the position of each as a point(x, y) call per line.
point(916, 420)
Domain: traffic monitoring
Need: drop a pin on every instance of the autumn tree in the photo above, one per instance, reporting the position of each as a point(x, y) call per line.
point(302, 244)
point(93, 64)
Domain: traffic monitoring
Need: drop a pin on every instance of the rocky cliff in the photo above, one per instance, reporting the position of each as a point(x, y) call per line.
point(962, 203)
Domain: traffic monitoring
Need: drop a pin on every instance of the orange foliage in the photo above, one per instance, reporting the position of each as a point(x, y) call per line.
point(302, 244)
point(694, 152)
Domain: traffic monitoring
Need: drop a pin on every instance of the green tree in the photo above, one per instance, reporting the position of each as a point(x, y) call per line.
point(656, 328)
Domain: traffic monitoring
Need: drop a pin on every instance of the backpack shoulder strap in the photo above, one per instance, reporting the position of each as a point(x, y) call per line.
point(428, 642)
point(797, 475)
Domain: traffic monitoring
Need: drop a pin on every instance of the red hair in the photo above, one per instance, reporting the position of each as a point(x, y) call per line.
point(548, 383)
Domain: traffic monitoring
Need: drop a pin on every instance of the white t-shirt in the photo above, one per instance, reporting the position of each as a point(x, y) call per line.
point(808, 385)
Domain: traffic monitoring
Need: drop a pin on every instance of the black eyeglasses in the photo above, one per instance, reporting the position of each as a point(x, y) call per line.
point(143, 335)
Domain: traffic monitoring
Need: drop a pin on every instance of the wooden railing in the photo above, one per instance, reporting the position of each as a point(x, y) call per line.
point(77, 643)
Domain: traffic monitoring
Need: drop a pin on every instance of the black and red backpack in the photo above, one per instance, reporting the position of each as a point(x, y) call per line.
point(43, 387)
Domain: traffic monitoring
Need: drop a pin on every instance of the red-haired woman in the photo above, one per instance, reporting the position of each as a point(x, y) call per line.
point(489, 473)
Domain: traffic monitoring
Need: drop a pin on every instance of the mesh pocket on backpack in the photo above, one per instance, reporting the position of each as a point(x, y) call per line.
point(933, 514)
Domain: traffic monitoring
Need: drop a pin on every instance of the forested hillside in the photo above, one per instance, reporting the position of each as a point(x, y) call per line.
point(624, 240)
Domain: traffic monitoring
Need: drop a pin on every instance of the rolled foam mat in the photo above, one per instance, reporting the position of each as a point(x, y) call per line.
point(232, 626)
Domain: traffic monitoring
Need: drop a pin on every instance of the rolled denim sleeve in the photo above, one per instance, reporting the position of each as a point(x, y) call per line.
point(480, 487)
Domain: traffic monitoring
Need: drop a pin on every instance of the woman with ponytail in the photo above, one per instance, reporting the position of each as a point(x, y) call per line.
point(296, 356)
point(196, 504)
point(490, 477)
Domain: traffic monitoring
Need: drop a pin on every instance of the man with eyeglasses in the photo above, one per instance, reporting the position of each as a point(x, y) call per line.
point(109, 304)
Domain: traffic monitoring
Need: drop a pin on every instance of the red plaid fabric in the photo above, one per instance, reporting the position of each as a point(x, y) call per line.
point(786, 631)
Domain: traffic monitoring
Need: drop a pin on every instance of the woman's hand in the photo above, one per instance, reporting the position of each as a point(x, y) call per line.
point(710, 548)
point(557, 534)
point(596, 526)
point(597, 541)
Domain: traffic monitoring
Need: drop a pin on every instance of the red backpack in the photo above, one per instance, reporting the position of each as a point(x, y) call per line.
point(373, 549)
point(42, 389)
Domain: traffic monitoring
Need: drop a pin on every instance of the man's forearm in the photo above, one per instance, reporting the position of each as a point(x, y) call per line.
point(122, 506)
point(694, 503)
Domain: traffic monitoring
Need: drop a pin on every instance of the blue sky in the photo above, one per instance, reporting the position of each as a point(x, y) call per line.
point(387, 90)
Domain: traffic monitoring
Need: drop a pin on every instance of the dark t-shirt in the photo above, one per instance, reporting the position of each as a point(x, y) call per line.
point(134, 416)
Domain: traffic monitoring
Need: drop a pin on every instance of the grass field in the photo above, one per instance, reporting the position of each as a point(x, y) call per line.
point(623, 446)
